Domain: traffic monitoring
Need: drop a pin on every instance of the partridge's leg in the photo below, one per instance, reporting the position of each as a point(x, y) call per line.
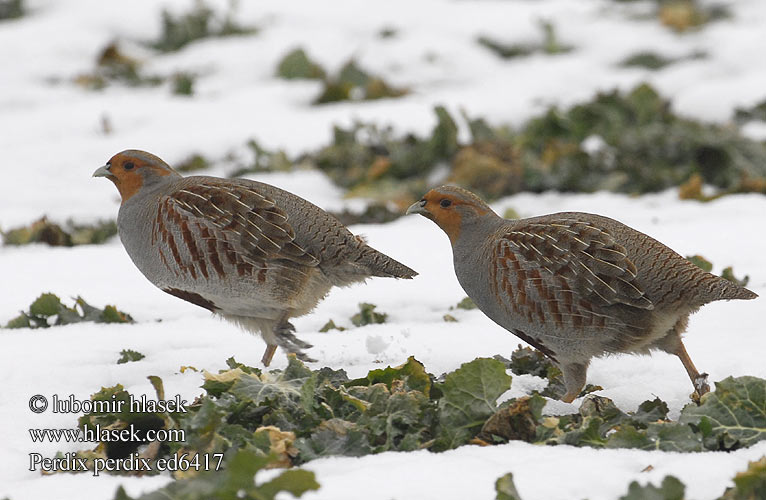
point(268, 354)
point(574, 380)
point(699, 380)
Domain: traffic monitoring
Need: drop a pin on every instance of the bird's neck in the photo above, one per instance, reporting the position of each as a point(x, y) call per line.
point(473, 232)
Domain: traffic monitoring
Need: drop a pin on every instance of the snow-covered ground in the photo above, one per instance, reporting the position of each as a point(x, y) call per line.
point(51, 142)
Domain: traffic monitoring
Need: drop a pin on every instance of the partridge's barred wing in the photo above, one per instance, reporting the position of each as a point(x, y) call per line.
point(563, 270)
point(210, 227)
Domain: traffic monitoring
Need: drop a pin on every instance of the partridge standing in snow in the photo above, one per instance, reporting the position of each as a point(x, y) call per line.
point(250, 252)
point(574, 285)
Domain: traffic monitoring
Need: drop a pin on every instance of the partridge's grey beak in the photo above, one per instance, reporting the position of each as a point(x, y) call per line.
point(102, 172)
point(419, 207)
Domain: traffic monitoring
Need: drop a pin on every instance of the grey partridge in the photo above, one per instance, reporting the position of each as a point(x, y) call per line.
point(574, 285)
point(250, 252)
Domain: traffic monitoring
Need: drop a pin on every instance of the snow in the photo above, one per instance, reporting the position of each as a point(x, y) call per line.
point(51, 140)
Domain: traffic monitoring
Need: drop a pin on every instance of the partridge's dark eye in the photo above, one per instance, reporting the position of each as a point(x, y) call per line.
point(445, 203)
point(128, 165)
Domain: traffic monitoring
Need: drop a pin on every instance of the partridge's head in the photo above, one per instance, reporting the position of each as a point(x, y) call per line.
point(450, 207)
point(132, 170)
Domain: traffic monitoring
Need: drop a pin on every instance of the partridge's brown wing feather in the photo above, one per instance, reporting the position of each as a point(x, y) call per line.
point(562, 271)
point(224, 225)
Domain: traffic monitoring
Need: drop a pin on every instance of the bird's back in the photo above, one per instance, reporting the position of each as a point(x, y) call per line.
point(668, 279)
point(344, 257)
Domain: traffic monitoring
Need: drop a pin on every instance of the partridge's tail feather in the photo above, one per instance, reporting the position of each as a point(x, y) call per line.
point(380, 264)
point(740, 293)
point(727, 290)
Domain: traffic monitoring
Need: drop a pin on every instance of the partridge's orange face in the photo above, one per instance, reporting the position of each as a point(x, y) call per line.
point(130, 169)
point(447, 206)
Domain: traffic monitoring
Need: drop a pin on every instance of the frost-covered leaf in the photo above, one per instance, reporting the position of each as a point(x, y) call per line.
point(525, 360)
point(334, 437)
point(411, 374)
point(733, 416)
point(469, 398)
point(650, 411)
point(399, 419)
point(258, 390)
point(600, 423)
point(670, 489)
point(665, 437)
point(588, 433)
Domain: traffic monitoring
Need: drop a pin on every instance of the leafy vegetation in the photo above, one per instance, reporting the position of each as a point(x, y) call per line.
point(367, 315)
point(654, 61)
point(646, 147)
point(548, 45)
point(749, 484)
point(199, 22)
point(193, 163)
point(686, 15)
point(263, 160)
point(297, 414)
point(648, 60)
point(670, 489)
point(467, 303)
point(182, 83)
point(370, 161)
point(297, 65)
point(48, 310)
point(506, 489)
point(388, 32)
point(352, 83)
point(642, 146)
point(129, 355)
point(11, 9)
point(305, 414)
point(330, 325)
point(624, 142)
point(44, 231)
point(235, 480)
point(114, 66)
point(755, 112)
